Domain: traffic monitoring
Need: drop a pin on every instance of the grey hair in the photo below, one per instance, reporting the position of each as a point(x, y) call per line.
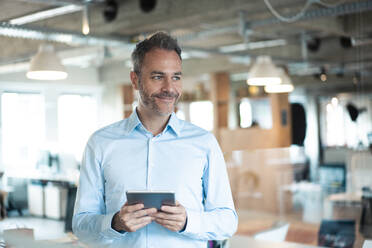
point(159, 40)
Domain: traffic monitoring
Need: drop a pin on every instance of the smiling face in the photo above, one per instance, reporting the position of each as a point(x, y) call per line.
point(159, 82)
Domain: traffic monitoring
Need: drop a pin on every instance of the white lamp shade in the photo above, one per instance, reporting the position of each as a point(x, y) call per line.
point(279, 88)
point(45, 65)
point(285, 87)
point(264, 72)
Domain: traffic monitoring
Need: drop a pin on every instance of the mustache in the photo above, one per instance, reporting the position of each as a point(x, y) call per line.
point(166, 94)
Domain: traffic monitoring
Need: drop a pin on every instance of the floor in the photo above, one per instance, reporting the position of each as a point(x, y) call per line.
point(250, 222)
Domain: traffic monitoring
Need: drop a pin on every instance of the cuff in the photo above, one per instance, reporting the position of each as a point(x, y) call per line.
point(183, 229)
point(107, 229)
point(193, 224)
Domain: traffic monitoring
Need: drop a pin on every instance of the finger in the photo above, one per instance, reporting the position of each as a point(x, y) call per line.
point(144, 212)
point(165, 216)
point(137, 221)
point(151, 211)
point(172, 228)
point(135, 227)
point(133, 208)
point(173, 209)
point(168, 222)
point(128, 216)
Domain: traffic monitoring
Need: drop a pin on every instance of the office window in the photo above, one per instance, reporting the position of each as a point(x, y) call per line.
point(182, 110)
point(201, 114)
point(335, 129)
point(255, 112)
point(77, 120)
point(245, 111)
point(23, 129)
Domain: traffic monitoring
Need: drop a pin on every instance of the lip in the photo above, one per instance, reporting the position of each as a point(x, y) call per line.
point(166, 99)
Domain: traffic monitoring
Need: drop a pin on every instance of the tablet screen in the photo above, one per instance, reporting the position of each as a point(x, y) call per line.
point(151, 199)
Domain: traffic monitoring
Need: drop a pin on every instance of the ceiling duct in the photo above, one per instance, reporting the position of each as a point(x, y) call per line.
point(9, 30)
point(339, 10)
point(70, 38)
point(42, 15)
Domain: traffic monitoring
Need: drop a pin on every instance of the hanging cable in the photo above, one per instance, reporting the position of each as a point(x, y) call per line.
point(288, 19)
point(303, 10)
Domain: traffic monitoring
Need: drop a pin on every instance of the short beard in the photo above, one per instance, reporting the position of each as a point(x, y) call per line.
point(149, 101)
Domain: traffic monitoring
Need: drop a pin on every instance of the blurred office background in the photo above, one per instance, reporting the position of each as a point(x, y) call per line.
point(298, 153)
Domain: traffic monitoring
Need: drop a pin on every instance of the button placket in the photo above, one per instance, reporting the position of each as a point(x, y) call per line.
point(150, 163)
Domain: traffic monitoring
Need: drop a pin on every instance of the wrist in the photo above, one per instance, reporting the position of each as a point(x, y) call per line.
point(116, 223)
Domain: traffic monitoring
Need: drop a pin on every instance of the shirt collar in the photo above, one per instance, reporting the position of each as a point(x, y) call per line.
point(134, 121)
point(174, 124)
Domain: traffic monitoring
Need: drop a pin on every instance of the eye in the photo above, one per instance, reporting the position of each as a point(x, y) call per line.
point(157, 77)
point(176, 78)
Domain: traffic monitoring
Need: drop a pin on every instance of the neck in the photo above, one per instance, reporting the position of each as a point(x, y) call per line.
point(153, 122)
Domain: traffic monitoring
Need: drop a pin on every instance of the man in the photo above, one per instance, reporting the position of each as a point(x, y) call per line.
point(153, 150)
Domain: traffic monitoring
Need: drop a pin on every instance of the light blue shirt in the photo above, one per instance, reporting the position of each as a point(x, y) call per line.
point(183, 158)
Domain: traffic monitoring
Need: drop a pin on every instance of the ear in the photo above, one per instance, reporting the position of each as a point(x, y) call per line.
point(134, 79)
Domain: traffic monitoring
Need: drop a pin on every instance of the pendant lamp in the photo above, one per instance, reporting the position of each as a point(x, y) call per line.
point(263, 72)
point(285, 87)
point(46, 65)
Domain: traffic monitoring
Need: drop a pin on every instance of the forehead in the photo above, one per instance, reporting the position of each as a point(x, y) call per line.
point(162, 59)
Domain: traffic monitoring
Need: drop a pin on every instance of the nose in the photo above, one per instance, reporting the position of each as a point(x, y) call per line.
point(167, 84)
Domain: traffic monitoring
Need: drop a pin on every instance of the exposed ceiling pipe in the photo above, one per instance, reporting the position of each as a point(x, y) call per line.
point(74, 38)
point(45, 14)
point(362, 41)
point(245, 27)
point(63, 2)
point(78, 39)
point(70, 38)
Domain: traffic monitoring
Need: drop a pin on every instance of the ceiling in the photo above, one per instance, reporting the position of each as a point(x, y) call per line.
point(219, 35)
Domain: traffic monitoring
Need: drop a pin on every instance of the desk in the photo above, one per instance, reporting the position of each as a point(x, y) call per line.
point(350, 198)
point(70, 177)
point(343, 206)
point(45, 199)
point(311, 198)
point(239, 241)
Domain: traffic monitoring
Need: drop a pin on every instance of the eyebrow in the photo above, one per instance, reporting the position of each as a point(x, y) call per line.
point(157, 72)
point(162, 73)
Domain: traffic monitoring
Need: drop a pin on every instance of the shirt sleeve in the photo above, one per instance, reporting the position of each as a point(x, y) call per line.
point(90, 221)
point(219, 219)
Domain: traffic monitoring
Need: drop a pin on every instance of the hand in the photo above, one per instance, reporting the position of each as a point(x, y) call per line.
point(171, 217)
point(130, 218)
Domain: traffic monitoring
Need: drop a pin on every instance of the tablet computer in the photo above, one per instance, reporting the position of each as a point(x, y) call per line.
point(151, 199)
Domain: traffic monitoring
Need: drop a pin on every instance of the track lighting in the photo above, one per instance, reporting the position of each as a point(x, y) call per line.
point(147, 5)
point(111, 10)
point(323, 74)
point(313, 44)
